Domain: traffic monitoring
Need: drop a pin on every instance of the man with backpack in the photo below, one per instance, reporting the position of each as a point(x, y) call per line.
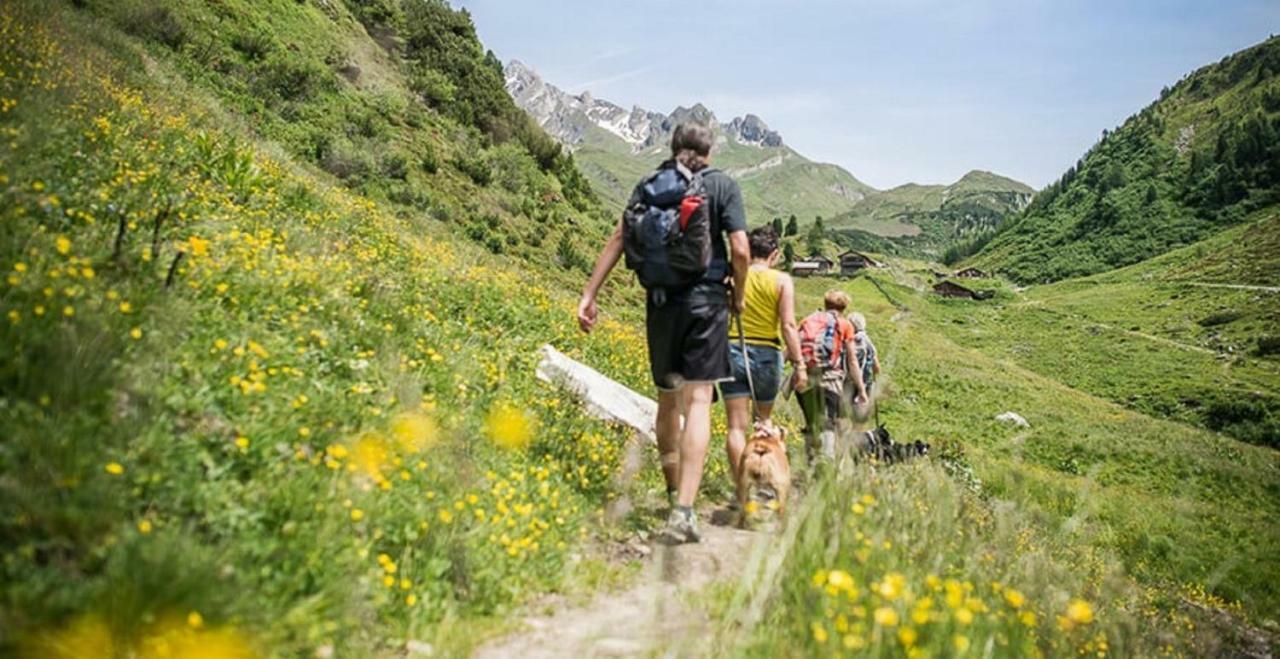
point(672, 234)
point(827, 346)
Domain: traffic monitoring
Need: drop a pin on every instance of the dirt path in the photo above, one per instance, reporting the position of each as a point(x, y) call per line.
point(653, 617)
point(1239, 287)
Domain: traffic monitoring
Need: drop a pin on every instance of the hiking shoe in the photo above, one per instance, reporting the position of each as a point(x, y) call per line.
point(681, 528)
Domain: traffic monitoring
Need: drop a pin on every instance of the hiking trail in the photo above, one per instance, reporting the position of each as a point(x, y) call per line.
point(653, 616)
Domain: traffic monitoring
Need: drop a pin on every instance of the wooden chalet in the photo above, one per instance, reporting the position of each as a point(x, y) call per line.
point(972, 273)
point(816, 265)
point(851, 263)
point(952, 289)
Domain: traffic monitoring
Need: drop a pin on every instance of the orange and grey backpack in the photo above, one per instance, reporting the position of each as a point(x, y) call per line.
point(818, 344)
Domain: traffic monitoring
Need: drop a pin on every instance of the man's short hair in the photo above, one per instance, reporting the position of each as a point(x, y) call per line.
point(835, 300)
point(692, 136)
point(859, 321)
point(763, 241)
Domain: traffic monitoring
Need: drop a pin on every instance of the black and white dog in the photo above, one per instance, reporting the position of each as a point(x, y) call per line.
point(879, 444)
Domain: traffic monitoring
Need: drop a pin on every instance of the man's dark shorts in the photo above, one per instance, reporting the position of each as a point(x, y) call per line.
point(689, 336)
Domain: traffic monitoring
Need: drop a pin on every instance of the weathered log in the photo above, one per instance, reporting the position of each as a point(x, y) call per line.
point(603, 398)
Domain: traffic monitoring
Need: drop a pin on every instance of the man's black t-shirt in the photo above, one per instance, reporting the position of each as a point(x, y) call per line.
point(724, 200)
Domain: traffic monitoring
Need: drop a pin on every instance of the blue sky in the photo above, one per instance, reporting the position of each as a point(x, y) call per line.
point(911, 90)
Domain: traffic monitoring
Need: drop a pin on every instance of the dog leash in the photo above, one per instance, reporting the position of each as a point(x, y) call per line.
point(746, 362)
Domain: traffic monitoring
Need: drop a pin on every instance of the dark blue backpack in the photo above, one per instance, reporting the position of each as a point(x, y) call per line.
point(666, 235)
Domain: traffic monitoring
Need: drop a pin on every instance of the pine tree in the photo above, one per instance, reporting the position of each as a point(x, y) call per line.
point(815, 236)
point(777, 225)
point(793, 227)
point(788, 254)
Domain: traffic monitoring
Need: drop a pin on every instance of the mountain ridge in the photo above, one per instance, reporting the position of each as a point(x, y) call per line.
point(615, 147)
point(1200, 158)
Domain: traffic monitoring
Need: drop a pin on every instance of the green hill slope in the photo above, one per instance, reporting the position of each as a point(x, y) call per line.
point(1202, 157)
point(928, 218)
point(1189, 335)
point(1160, 520)
point(247, 411)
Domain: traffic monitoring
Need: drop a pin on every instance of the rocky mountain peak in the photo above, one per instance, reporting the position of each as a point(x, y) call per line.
point(752, 130)
point(567, 117)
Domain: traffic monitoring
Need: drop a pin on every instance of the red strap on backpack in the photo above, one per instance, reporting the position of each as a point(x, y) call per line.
point(688, 206)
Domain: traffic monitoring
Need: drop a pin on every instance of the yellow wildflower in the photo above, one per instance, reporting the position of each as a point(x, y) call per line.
point(63, 245)
point(509, 427)
point(414, 432)
point(886, 617)
point(114, 468)
point(1079, 613)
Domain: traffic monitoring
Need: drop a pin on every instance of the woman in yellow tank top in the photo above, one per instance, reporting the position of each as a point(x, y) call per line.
point(769, 324)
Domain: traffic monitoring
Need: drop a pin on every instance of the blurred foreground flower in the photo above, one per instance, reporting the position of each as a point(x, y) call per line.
point(414, 432)
point(508, 427)
point(171, 638)
point(369, 454)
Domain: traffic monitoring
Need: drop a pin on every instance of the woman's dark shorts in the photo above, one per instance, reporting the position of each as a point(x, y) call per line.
point(688, 336)
point(766, 373)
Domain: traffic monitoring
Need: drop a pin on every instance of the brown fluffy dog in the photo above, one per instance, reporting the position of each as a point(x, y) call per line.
point(763, 475)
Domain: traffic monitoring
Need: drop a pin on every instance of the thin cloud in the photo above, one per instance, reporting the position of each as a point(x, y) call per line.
point(591, 85)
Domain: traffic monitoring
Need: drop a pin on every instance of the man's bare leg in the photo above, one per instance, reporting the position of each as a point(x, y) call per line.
point(667, 429)
point(694, 439)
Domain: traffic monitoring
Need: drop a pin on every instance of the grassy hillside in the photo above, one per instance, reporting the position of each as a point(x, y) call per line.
point(247, 410)
point(1188, 336)
point(417, 116)
point(926, 219)
point(1201, 158)
point(1095, 530)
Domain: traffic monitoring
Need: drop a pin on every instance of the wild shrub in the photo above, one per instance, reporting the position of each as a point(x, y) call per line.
point(157, 23)
point(476, 167)
point(1220, 318)
point(430, 162)
point(434, 87)
point(1267, 346)
point(253, 44)
point(395, 165)
point(345, 161)
point(292, 77)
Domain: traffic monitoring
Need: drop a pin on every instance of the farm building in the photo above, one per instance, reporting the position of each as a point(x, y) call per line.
point(815, 265)
point(972, 273)
point(851, 263)
point(952, 289)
